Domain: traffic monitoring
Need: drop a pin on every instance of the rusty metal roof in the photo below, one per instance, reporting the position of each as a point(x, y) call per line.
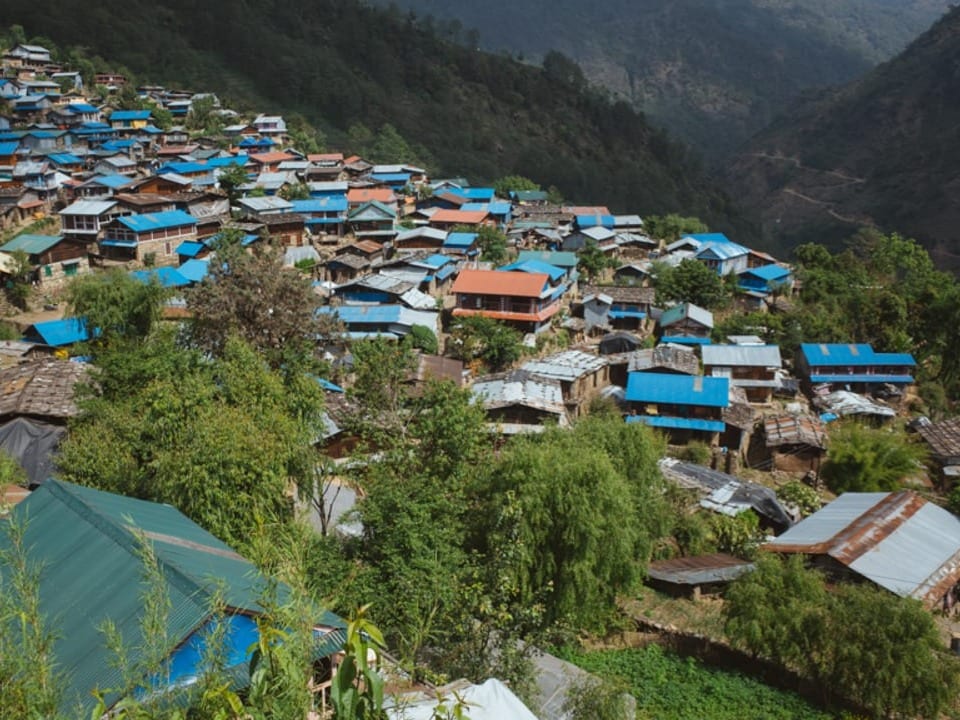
point(718, 567)
point(897, 540)
point(942, 437)
point(794, 430)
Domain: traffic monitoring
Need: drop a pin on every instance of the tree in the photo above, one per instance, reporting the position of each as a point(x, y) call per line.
point(201, 113)
point(253, 296)
point(672, 227)
point(513, 183)
point(491, 342)
point(117, 306)
point(18, 287)
point(892, 664)
point(221, 439)
point(423, 338)
point(863, 459)
point(390, 147)
point(690, 281)
point(295, 191)
point(492, 242)
point(570, 513)
point(592, 261)
point(230, 180)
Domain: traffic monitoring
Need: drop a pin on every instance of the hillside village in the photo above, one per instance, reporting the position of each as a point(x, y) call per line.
point(548, 312)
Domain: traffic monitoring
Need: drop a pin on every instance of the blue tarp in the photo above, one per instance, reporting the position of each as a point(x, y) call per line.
point(675, 423)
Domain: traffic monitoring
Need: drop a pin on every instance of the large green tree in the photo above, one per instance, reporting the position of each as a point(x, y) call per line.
point(689, 281)
point(865, 459)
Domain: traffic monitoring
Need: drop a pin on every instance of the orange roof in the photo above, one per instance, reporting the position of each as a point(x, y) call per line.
point(271, 157)
point(352, 159)
point(466, 217)
point(495, 282)
point(369, 246)
point(586, 210)
point(362, 195)
point(325, 157)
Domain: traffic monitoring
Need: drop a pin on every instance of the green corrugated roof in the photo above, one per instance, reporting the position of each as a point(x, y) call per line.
point(31, 244)
point(87, 544)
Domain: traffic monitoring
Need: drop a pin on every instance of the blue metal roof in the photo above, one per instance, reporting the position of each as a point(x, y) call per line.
point(589, 221)
point(769, 273)
point(190, 249)
point(182, 168)
point(195, 270)
point(684, 340)
point(329, 203)
point(619, 314)
point(364, 314)
point(445, 272)
point(460, 240)
point(157, 221)
point(478, 194)
point(9, 148)
point(112, 181)
point(57, 333)
point(721, 250)
point(227, 161)
point(709, 237)
point(436, 260)
point(667, 389)
point(112, 242)
point(391, 177)
point(892, 379)
point(852, 355)
point(82, 108)
point(167, 277)
point(118, 144)
point(130, 115)
point(535, 266)
point(674, 423)
point(31, 244)
point(59, 158)
point(559, 258)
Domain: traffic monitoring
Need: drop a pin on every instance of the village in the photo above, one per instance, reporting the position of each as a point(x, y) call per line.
point(394, 254)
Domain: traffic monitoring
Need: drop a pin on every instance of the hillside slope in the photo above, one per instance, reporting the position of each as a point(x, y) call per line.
point(340, 62)
point(711, 71)
point(882, 150)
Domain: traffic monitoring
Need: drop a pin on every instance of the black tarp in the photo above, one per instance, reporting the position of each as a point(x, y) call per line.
point(619, 342)
point(33, 445)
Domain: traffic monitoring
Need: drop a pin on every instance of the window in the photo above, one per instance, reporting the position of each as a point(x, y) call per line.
point(47, 271)
point(71, 269)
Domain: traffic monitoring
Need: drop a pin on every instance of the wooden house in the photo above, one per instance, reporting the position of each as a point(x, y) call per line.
point(750, 367)
point(686, 407)
point(526, 301)
point(150, 238)
point(53, 258)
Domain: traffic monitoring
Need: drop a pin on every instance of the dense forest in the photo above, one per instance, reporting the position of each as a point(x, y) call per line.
point(879, 151)
point(712, 72)
point(346, 66)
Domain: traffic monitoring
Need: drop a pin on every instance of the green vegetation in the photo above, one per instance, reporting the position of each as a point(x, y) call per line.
point(343, 64)
point(672, 227)
point(863, 459)
point(784, 613)
point(668, 687)
point(690, 281)
point(489, 342)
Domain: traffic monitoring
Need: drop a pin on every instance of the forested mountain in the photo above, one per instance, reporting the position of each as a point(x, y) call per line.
point(711, 71)
point(341, 63)
point(882, 150)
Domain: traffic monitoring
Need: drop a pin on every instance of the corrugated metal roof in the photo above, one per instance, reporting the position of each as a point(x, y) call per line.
point(721, 251)
point(520, 387)
point(566, 366)
point(57, 333)
point(534, 266)
point(460, 240)
point(493, 282)
point(666, 389)
point(31, 244)
point(897, 540)
point(130, 115)
point(558, 258)
point(843, 403)
point(763, 356)
point(157, 221)
point(835, 354)
point(794, 430)
point(90, 207)
point(768, 273)
point(699, 570)
point(675, 314)
point(270, 202)
point(86, 542)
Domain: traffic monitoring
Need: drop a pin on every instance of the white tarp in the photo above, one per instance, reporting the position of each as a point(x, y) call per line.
point(491, 701)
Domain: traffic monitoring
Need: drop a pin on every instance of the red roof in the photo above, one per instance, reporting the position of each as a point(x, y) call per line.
point(362, 195)
point(464, 217)
point(494, 282)
point(325, 157)
point(586, 210)
point(271, 157)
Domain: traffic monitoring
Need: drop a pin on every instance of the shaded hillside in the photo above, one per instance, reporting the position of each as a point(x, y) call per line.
point(882, 150)
point(339, 63)
point(711, 71)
